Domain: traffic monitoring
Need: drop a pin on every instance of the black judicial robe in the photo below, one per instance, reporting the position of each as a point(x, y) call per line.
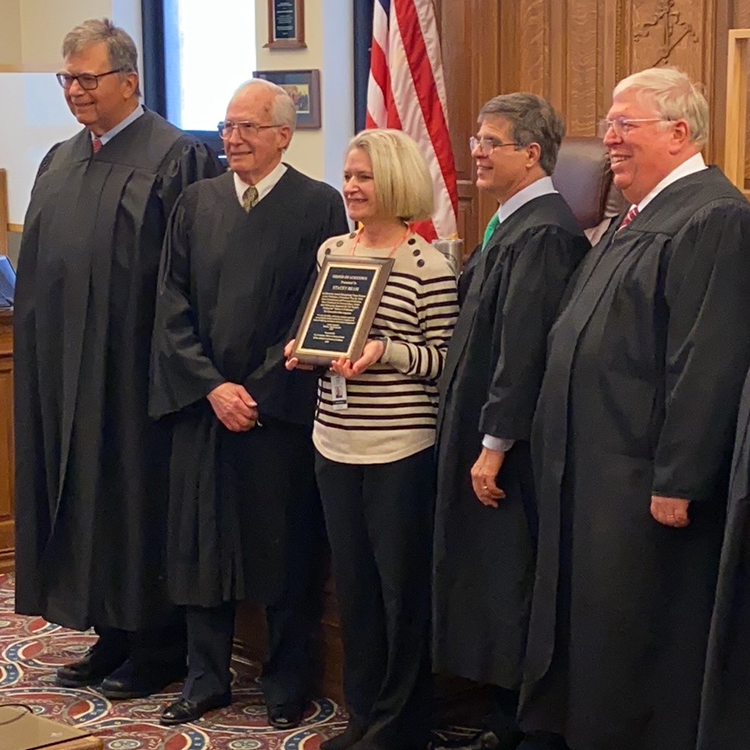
point(484, 557)
point(91, 469)
point(640, 397)
point(725, 714)
point(230, 288)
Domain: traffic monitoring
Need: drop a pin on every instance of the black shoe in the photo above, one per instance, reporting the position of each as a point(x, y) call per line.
point(356, 729)
point(184, 711)
point(138, 681)
point(543, 741)
point(484, 739)
point(285, 716)
point(99, 662)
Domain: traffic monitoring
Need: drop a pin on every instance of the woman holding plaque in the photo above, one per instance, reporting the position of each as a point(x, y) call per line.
point(374, 434)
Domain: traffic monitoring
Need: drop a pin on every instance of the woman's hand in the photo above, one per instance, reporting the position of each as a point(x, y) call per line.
point(373, 351)
point(292, 363)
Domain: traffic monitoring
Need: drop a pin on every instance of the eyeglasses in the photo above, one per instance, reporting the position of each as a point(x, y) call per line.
point(623, 125)
point(487, 145)
point(87, 81)
point(245, 129)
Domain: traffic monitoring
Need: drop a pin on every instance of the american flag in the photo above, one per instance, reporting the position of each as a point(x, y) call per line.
point(406, 91)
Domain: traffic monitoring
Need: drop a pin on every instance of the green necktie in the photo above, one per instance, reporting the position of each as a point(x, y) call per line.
point(491, 227)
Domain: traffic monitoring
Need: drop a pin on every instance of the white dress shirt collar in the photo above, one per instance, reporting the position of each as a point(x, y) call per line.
point(131, 118)
point(689, 166)
point(538, 188)
point(263, 186)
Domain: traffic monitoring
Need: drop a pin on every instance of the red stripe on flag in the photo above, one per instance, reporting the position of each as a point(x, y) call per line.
point(379, 67)
point(429, 101)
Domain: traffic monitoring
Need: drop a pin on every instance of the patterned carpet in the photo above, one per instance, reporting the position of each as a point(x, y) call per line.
point(31, 649)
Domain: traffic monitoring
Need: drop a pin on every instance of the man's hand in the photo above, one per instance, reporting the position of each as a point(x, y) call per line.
point(373, 351)
point(670, 511)
point(484, 477)
point(234, 407)
point(292, 363)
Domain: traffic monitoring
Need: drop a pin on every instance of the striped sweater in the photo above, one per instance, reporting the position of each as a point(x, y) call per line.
point(392, 407)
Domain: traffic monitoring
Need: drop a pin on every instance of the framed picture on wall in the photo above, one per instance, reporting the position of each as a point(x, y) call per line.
point(304, 88)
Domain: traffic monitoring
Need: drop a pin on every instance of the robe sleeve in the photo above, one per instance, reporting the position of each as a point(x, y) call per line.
point(181, 372)
point(545, 264)
point(707, 350)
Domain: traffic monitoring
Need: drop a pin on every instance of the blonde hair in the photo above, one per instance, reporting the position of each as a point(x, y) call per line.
point(674, 96)
point(403, 186)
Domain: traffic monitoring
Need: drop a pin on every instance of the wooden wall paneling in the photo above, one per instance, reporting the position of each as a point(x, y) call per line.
point(736, 119)
point(715, 81)
point(558, 38)
point(533, 58)
point(668, 32)
point(583, 33)
point(609, 52)
point(739, 18)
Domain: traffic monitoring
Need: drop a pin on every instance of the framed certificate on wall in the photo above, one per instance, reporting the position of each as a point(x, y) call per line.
point(286, 24)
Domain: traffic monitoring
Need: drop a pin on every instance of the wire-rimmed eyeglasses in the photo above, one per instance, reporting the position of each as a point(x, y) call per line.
point(624, 125)
point(487, 144)
point(245, 129)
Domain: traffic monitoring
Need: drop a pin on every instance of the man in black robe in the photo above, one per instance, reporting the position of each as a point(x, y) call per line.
point(725, 719)
point(485, 518)
point(91, 470)
point(632, 439)
point(239, 254)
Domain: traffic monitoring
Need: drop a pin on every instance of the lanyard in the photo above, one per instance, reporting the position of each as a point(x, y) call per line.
point(393, 249)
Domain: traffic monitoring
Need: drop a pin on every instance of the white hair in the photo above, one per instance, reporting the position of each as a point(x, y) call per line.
point(283, 111)
point(674, 96)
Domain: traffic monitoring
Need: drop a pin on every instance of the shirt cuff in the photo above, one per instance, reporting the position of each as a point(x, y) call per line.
point(501, 445)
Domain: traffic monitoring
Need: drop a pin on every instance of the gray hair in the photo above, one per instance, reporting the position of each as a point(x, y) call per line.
point(121, 48)
point(532, 120)
point(283, 111)
point(674, 96)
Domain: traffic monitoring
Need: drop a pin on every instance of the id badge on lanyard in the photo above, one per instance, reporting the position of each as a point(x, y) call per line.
point(338, 392)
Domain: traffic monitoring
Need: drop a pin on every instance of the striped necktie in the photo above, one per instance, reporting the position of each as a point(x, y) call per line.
point(490, 230)
point(249, 198)
point(629, 216)
point(96, 144)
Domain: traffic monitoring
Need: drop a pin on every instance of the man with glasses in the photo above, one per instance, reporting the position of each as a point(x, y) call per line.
point(244, 511)
point(633, 438)
point(485, 520)
point(91, 469)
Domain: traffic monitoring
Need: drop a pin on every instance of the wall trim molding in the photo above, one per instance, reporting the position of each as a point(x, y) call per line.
point(15, 228)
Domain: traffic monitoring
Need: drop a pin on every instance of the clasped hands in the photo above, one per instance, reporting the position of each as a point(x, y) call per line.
point(234, 407)
point(372, 352)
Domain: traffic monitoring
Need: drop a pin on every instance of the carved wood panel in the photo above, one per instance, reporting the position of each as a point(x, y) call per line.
point(573, 52)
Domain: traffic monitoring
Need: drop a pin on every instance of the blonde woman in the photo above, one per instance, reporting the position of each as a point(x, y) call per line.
point(374, 458)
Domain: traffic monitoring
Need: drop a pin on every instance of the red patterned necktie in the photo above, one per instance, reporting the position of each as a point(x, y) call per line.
point(97, 144)
point(629, 216)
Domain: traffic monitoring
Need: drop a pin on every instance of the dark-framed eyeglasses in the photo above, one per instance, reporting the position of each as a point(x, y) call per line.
point(624, 125)
point(87, 81)
point(487, 145)
point(245, 129)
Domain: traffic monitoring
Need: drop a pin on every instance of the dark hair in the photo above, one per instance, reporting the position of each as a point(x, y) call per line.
point(533, 120)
